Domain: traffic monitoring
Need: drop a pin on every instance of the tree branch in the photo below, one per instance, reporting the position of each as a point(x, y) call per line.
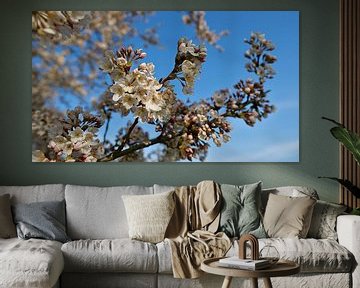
point(171, 76)
point(108, 118)
point(119, 153)
point(127, 135)
point(111, 156)
point(138, 146)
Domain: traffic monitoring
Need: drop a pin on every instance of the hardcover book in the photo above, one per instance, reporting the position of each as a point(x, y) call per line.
point(236, 262)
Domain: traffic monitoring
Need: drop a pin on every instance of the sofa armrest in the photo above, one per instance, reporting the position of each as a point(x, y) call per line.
point(348, 230)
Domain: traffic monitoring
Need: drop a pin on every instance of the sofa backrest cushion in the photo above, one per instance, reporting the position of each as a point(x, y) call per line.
point(35, 193)
point(163, 188)
point(98, 212)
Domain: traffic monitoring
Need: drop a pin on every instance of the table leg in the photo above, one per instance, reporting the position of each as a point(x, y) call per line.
point(227, 282)
point(254, 282)
point(267, 283)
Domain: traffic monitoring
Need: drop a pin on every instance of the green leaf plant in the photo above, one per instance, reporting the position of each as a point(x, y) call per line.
point(351, 142)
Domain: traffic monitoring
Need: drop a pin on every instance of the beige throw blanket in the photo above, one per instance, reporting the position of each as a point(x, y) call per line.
point(191, 231)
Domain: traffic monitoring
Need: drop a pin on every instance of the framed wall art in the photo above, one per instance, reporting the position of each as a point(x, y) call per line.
point(155, 86)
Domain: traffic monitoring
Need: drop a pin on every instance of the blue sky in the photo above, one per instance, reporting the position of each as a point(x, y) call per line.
point(275, 139)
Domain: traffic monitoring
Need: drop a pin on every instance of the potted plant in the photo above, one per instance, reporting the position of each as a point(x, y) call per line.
point(351, 141)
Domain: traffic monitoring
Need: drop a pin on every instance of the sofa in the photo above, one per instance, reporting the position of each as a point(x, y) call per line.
point(100, 253)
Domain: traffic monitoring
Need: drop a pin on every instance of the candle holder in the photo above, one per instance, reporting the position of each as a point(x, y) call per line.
point(254, 246)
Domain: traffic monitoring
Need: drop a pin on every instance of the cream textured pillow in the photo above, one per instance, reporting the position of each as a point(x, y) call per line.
point(149, 215)
point(288, 217)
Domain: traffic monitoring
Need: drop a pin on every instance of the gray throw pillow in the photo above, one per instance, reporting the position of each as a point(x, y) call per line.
point(323, 222)
point(240, 213)
point(7, 227)
point(44, 220)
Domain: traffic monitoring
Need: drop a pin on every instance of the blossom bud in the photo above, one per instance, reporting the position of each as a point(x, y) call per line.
point(186, 19)
point(267, 109)
point(251, 119)
point(226, 138)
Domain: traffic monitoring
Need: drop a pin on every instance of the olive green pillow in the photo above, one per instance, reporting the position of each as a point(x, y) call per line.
point(288, 217)
point(7, 226)
point(240, 213)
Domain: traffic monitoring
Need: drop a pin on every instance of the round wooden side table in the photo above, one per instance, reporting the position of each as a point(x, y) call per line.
point(281, 268)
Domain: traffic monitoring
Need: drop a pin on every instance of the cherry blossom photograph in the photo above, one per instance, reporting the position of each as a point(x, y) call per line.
point(165, 86)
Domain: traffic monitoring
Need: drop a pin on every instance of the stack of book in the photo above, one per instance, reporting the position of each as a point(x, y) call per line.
point(248, 264)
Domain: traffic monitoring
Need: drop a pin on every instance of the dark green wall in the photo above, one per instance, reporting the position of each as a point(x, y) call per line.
point(319, 69)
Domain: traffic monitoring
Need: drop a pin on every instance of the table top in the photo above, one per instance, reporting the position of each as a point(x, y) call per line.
point(281, 268)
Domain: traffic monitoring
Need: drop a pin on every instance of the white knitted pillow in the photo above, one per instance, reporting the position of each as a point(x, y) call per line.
point(149, 215)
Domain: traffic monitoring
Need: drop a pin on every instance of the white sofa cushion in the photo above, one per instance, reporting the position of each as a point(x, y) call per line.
point(35, 193)
point(313, 255)
point(30, 263)
point(116, 255)
point(164, 257)
point(98, 213)
point(163, 188)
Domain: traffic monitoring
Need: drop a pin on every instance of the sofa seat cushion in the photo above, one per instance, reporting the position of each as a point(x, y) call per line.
point(313, 255)
point(30, 263)
point(115, 255)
